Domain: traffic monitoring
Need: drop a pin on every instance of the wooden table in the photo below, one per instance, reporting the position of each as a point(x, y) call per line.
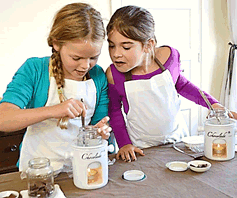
point(219, 181)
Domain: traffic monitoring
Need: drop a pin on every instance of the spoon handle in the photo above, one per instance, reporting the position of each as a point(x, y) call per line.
point(197, 156)
point(209, 104)
point(206, 100)
point(82, 118)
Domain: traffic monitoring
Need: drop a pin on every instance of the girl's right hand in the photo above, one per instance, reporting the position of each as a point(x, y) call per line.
point(71, 108)
point(127, 153)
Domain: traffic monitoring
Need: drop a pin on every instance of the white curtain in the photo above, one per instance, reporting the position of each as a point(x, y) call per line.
point(228, 96)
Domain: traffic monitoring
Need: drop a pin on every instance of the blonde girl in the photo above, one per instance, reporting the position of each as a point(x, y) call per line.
point(49, 94)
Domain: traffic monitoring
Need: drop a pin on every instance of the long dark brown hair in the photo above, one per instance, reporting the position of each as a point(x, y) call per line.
point(133, 22)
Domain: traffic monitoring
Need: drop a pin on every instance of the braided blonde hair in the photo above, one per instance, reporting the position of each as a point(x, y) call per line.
point(73, 21)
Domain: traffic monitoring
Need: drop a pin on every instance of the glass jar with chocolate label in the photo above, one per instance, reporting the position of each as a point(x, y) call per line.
point(40, 178)
point(219, 139)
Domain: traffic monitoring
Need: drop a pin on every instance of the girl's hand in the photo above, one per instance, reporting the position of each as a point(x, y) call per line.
point(104, 128)
point(231, 114)
point(70, 108)
point(217, 106)
point(127, 153)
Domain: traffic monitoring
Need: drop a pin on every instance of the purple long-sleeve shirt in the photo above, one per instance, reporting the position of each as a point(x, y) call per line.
point(118, 97)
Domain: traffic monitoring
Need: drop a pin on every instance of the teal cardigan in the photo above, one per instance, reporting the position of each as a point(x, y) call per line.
point(30, 84)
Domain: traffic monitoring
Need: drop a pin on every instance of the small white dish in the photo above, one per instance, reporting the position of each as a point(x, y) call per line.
point(177, 166)
point(193, 141)
point(195, 163)
point(133, 175)
point(57, 192)
point(8, 193)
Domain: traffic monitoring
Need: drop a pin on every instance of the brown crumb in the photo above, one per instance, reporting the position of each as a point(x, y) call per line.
point(10, 196)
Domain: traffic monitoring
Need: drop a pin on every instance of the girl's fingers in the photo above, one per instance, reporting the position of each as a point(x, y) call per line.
point(103, 122)
point(117, 156)
point(76, 111)
point(230, 114)
point(137, 150)
point(105, 131)
point(103, 128)
point(105, 119)
point(127, 155)
point(133, 156)
point(82, 109)
point(75, 108)
point(123, 156)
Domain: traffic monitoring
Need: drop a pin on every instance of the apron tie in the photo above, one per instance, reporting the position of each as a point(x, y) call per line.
point(230, 64)
point(128, 75)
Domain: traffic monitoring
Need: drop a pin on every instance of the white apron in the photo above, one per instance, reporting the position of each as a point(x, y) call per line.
point(154, 114)
point(46, 139)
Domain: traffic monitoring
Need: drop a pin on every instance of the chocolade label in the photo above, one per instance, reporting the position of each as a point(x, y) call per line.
point(88, 156)
point(220, 135)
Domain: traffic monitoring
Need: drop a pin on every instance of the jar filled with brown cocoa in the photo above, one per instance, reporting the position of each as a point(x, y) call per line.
point(40, 178)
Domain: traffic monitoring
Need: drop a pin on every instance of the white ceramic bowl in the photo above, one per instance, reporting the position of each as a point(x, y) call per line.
point(193, 165)
point(8, 193)
point(177, 166)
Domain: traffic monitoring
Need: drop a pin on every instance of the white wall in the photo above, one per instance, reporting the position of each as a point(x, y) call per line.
point(215, 48)
point(24, 28)
point(25, 24)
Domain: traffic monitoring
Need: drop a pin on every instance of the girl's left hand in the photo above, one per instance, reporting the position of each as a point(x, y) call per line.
point(231, 114)
point(103, 127)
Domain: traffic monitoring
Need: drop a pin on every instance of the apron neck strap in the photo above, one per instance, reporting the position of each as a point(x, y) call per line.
point(160, 65)
point(128, 75)
point(88, 76)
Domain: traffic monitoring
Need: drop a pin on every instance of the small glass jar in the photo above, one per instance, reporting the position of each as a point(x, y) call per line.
point(40, 178)
point(219, 116)
point(88, 136)
point(222, 113)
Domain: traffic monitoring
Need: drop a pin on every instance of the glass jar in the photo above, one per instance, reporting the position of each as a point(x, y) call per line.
point(219, 116)
point(88, 136)
point(219, 141)
point(40, 178)
point(222, 113)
